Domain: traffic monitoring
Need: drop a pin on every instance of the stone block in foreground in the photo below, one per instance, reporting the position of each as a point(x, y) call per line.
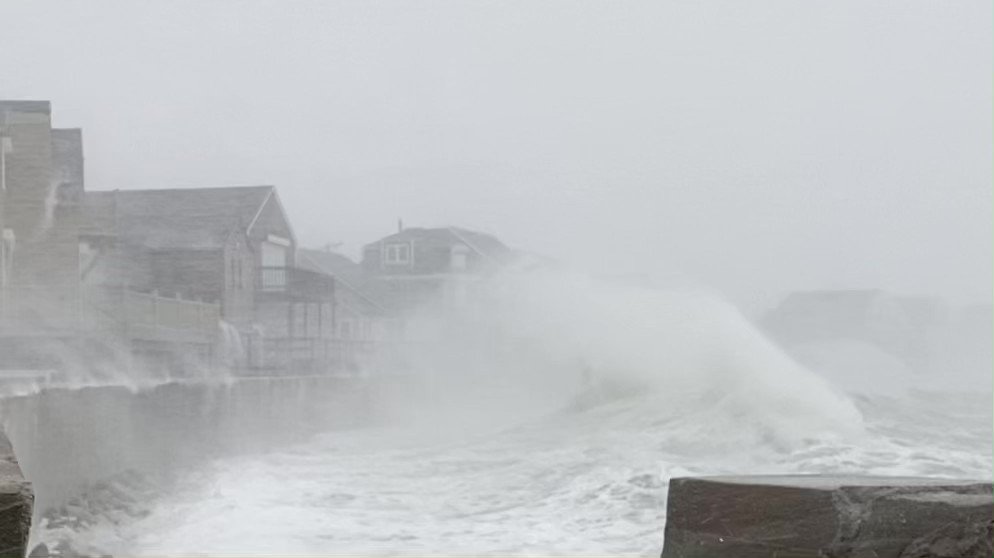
point(16, 503)
point(828, 517)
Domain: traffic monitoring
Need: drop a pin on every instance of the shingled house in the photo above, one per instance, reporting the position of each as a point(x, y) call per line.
point(50, 321)
point(175, 277)
point(233, 246)
point(419, 265)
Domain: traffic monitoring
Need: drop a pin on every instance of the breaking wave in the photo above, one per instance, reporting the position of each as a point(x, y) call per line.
point(549, 338)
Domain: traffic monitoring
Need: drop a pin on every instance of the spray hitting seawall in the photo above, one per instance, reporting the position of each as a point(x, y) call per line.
point(544, 415)
point(546, 339)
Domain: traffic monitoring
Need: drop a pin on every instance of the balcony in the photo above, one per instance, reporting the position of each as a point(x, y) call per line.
point(295, 284)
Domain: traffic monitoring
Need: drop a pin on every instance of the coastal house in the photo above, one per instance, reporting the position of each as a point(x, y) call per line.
point(900, 326)
point(50, 320)
point(233, 246)
point(416, 266)
point(173, 279)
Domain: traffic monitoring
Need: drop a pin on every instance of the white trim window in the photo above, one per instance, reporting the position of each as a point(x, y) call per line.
point(397, 253)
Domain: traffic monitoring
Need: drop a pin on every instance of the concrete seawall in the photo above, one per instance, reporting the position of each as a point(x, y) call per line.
point(68, 439)
point(828, 516)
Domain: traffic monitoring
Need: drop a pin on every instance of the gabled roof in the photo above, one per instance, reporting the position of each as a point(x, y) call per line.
point(481, 243)
point(191, 218)
point(347, 273)
point(332, 263)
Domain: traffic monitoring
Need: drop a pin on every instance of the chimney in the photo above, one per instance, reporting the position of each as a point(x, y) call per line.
point(400, 225)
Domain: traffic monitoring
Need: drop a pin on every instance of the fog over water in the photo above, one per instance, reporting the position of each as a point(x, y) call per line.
point(692, 178)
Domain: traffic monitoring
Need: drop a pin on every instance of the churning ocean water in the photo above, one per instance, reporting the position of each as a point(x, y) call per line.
point(577, 482)
point(498, 457)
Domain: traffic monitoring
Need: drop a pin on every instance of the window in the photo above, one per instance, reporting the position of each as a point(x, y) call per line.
point(397, 254)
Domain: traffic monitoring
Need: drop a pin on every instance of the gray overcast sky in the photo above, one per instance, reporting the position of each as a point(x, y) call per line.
point(754, 147)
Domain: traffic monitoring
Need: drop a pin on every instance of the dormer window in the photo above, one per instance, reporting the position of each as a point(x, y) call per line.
point(397, 254)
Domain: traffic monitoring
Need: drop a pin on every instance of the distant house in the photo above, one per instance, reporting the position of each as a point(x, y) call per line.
point(418, 265)
point(233, 246)
point(898, 325)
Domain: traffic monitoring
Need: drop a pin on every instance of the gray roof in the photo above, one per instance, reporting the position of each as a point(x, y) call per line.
point(347, 273)
point(192, 218)
point(40, 107)
point(483, 244)
point(332, 263)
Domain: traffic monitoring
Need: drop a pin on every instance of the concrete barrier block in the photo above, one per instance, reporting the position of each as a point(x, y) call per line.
point(828, 517)
point(16, 503)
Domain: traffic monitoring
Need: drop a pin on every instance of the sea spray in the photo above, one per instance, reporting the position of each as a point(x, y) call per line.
point(533, 341)
point(686, 387)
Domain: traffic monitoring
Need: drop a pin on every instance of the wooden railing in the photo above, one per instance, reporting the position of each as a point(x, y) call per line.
point(109, 311)
point(295, 283)
point(150, 316)
point(272, 279)
point(158, 317)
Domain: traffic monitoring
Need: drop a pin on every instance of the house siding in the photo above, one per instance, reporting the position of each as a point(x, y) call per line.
point(238, 300)
point(45, 223)
point(272, 221)
point(433, 274)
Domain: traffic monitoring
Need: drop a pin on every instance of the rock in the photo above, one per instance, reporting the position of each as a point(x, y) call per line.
point(828, 517)
point(39, 551)
point(968, 540)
